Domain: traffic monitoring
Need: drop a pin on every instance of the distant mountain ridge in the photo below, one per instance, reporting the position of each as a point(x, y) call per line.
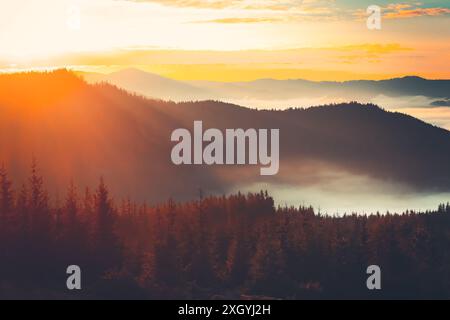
point(151, 85)
point(138, 81)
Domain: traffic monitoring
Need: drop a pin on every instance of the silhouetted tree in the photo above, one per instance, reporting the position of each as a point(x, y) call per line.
point(6, 201)
point(105, 238)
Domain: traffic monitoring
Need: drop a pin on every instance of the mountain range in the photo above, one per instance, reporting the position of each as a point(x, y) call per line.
point(271, 93)
point(81, 131)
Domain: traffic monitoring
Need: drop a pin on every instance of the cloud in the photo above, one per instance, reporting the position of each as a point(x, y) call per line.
point(369, 52)
point(409, 12)
point(241, 20)
point(200, 4)
point(263, 11)
point(305, 14)
point(405, 10)
point(399, 6)
point(372, 53)
point(203, 4)
point(272, 5)
point(297, 10)
point(374, 48)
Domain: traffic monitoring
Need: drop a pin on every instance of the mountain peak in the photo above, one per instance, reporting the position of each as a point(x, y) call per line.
point(412, 78)
point(135, 72)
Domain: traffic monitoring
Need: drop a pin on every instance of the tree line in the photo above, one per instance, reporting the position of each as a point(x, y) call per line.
point(214, 247)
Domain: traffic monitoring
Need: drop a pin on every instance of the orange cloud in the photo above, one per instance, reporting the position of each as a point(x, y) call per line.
point(405, 11)
point(373, 48)
point(274, 5)
point(366, 52)
point(399, 6)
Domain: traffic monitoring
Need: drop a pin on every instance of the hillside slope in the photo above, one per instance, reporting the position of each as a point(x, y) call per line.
point(82, 131)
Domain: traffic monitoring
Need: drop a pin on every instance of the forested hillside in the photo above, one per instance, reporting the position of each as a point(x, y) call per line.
point(211, 248)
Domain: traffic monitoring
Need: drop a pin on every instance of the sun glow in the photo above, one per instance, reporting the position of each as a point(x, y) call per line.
point(221, 41)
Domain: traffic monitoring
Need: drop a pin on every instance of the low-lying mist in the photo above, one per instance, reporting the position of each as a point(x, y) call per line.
point(346, 194)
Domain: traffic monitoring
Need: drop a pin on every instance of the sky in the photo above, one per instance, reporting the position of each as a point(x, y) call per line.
point(229, 40)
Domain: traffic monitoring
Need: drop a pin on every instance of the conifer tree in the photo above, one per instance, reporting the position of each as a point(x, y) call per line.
point(6, 200)
point(106, 241)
